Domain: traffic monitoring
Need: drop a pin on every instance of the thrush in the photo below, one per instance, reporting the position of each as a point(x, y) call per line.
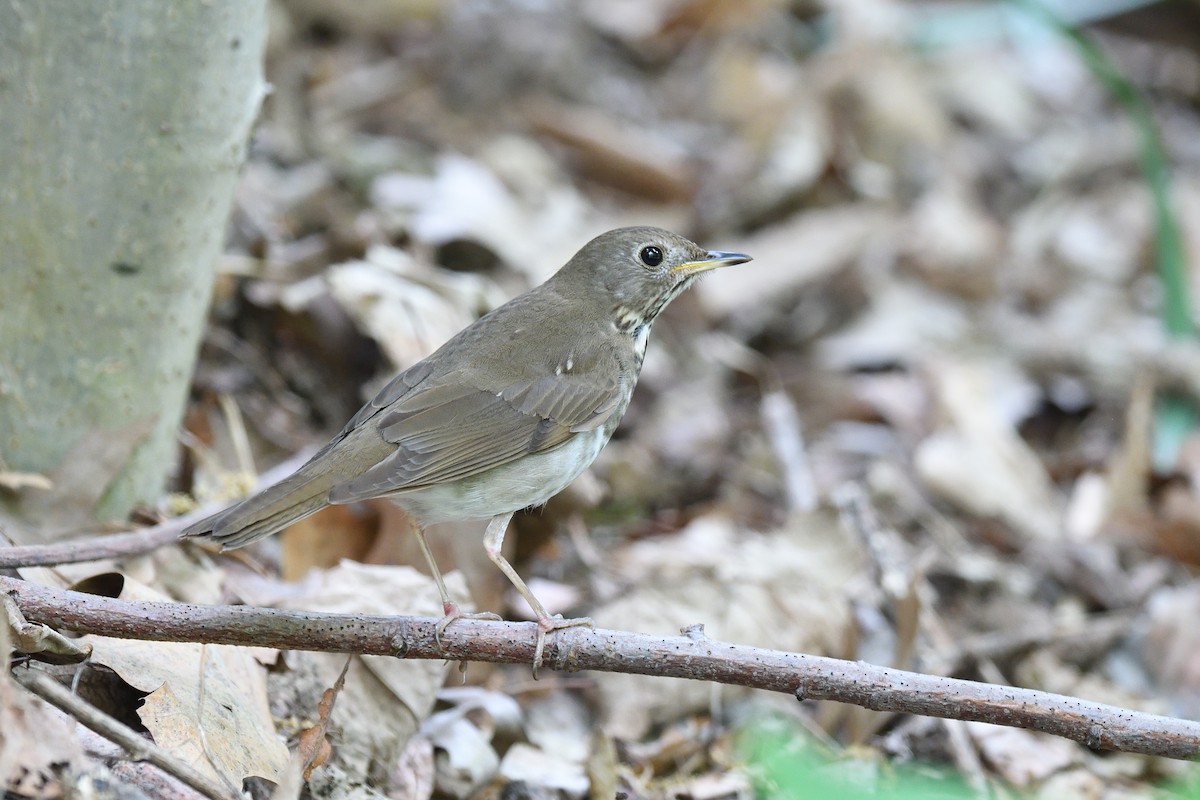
point(503, 415)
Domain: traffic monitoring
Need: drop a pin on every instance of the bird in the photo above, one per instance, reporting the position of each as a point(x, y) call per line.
point(501, 417)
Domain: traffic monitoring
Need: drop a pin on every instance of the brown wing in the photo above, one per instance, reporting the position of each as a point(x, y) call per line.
point(449, 428)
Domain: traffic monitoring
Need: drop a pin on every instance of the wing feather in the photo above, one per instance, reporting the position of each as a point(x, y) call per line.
point(461, 424)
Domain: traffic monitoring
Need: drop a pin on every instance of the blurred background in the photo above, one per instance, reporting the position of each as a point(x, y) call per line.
point(943, 421)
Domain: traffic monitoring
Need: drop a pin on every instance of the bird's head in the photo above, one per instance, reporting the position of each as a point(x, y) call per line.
point(640, 270)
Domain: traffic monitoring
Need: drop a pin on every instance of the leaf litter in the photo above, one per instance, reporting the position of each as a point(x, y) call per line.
point(951, 316)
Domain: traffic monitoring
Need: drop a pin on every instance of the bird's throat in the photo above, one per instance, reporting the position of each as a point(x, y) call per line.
point(636, 326)
point(635, 322)
point(641, 338)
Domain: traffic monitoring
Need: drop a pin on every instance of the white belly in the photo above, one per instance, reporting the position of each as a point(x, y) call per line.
point(528, 481)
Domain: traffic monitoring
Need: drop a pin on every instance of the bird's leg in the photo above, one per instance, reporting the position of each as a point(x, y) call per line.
point(449, 607)
point(493, 541)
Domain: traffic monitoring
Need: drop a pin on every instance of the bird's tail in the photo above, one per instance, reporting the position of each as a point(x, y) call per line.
point(304, 492)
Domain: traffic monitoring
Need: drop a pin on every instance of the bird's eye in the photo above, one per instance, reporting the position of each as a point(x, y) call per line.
point(651, 256)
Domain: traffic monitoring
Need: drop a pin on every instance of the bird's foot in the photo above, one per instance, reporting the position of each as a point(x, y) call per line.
point(546, 624)
point(450, 609)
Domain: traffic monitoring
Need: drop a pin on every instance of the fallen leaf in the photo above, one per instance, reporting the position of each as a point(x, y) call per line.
point(409, 309)
point(977, 459)
point(803, 249)
point(384, 699)
point(534, 767)
point(33, 639)
point(206, 704)
point(413, 773)
point(36, 740)
point(781, 589)
point(1024, 758)
point(632, 158)
point(313, 746)
point(464, 759)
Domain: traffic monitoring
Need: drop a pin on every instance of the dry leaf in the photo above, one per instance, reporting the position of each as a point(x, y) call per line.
point(409, 310)
point(37, 640)
point(313, 746)
point(560, 725)
point(628, 157)
point(1077, 783)
point(463, 756)
point(384, 699)
point(978, 460)
point(1170, 648)
point(412, 776)
point(905, 323)
point(326, 538)
point(1024, 758)
point(534, 767)
point(206, 704)
point(953, 242)
point(36, 740)
point(803, 249)
point(782, 590)
point(465, 200)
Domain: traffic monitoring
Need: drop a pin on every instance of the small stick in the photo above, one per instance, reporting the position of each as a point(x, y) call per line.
point(140, 748)
point(129, 543)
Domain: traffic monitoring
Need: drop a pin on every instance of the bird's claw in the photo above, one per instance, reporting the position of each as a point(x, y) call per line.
point(453, 614)
point(547, 624)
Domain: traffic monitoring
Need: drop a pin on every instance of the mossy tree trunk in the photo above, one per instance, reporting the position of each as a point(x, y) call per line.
point(124, 125)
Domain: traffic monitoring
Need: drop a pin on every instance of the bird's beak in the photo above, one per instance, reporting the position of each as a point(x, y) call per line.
point(715, 259)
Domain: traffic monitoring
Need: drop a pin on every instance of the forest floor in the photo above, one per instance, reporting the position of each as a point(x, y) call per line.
point(953, 327)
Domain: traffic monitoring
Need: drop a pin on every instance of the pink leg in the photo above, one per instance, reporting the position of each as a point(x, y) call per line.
point(493, 541)
point(449, 607)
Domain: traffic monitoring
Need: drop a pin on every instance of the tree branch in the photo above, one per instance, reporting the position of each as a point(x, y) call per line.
point(692, 655)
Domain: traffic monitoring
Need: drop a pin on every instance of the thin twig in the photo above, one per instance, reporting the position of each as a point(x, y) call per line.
point(140, 748)
point(129, 543)
point(1099, 726)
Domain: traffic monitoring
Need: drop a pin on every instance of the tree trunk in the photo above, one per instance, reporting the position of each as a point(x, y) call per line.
point(125, 123)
